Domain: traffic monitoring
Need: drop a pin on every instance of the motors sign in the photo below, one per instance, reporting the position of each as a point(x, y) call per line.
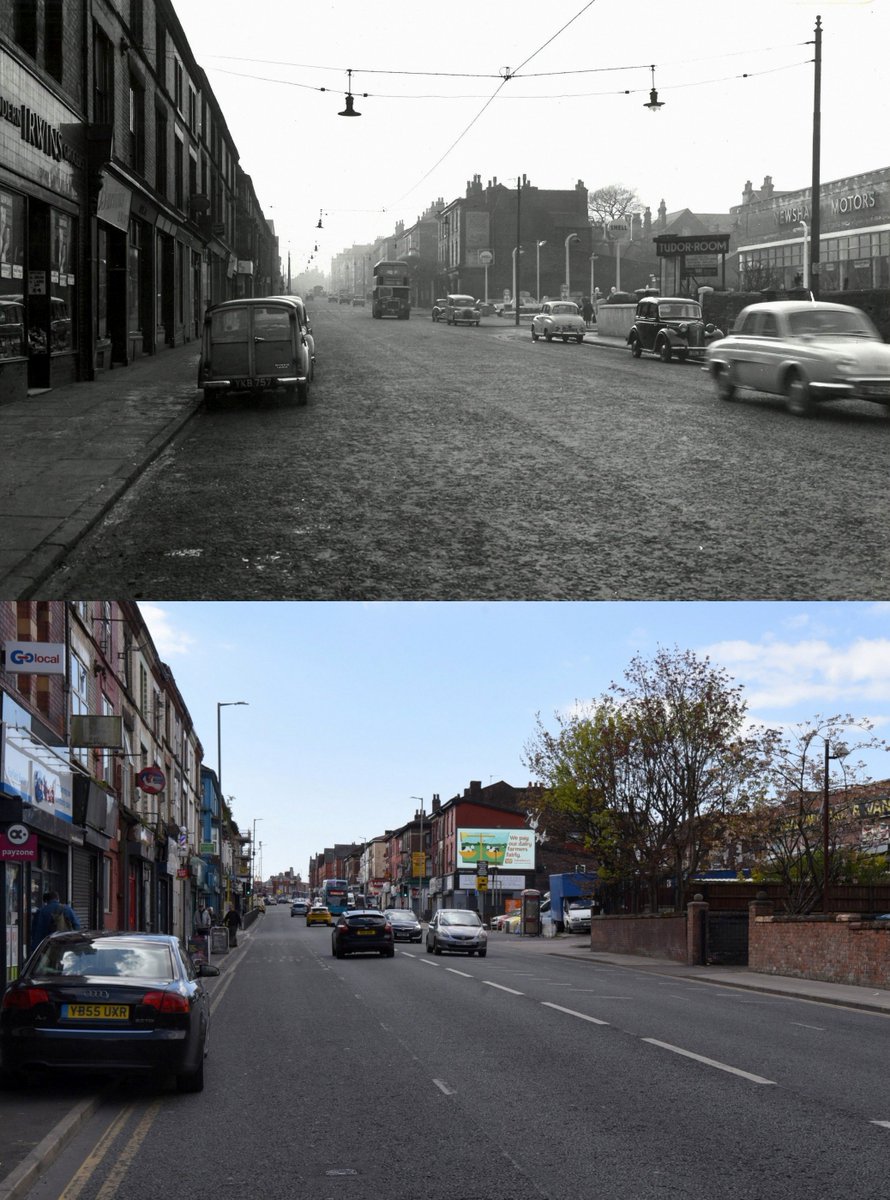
point(35, 658)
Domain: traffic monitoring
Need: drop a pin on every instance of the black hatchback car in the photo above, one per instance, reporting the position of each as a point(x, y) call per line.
point(405, 926)
point(362, 930)
point(108, 1002)
point(671, 327)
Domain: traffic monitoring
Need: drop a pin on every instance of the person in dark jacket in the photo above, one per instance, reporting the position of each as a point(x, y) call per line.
point(52, 917)
point(232, 922)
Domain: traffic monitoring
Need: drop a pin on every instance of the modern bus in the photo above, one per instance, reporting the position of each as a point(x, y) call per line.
point(335, 895)
point(392, 293)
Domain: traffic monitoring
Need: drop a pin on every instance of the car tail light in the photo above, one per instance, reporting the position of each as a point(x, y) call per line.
point(387, 928)
point(167, 1002)
point(28, 997)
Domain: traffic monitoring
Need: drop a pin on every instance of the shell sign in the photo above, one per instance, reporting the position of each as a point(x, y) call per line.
point(510, 848)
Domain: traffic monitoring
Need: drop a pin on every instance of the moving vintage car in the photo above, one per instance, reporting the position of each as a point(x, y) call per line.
point(807, 351)
point(558, 318)
point(439, 306)
point(257, 344)
point(462, 310)
point(671, 327)
point(117, 1003)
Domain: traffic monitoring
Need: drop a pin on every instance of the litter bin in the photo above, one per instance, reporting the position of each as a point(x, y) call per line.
point(530, 922)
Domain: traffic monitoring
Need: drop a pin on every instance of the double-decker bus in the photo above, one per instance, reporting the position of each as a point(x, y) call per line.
point(335, 895)
point(392, 293)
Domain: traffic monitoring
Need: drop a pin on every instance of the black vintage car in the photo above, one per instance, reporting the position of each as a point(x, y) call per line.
point(671, 327)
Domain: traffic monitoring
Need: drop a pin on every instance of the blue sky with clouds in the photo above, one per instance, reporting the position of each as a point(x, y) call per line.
point(353, 709)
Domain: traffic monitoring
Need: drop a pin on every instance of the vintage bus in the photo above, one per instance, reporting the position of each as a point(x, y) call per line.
point(392, 292)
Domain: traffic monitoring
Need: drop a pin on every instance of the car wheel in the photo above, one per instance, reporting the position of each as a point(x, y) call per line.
point(566, 340)
point(437, 949)
point(429, 948)
point(725, 386)
point(535, 335)
point(388, 953)
point(580, 338)
point(302, 394)
point(482, 953)
point(664, 351)
point(548, 336)
point(797, 396)
point(192, 1081)
point(636, 347)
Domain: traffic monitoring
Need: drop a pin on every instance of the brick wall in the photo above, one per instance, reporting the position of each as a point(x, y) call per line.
point(649, 936)
point(842, 949)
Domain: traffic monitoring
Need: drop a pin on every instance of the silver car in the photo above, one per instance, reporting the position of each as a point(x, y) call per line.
point(807, 351)
point(456, 930)
point(558, 318)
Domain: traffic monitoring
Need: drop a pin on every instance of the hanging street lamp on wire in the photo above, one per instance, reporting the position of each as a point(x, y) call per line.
point(349, 110)
point(653, 103)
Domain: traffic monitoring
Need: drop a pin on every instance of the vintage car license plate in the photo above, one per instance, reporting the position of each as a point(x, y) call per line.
point(250, 385)
point(96, 1012)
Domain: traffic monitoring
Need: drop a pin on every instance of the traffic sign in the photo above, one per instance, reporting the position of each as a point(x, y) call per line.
point(151, 780)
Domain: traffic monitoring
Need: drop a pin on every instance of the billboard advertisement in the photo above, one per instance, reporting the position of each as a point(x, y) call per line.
point(510, 848)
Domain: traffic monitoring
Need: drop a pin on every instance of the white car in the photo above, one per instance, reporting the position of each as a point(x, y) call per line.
point(558, 318)
point(577, 916)
point(807, 351)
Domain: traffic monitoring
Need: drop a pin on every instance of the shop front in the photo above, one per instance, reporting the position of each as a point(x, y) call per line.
point(42, 256)
point(37, 834)
point(854, 237)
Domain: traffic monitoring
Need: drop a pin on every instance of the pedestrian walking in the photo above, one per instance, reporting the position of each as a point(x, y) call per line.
point(587, 311)
point(52, 917)
point(232, 922)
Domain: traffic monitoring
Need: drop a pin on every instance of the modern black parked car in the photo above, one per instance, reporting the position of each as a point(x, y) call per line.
point(107, 1002)
point(362, 930)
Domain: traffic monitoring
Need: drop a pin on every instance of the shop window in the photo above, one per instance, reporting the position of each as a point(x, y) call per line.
point(24, 25)
point(52, 37)
point(177, 84)
point(12, 257)
point(62, 280)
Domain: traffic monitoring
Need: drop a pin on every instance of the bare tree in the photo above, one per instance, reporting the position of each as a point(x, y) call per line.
point(611, 203)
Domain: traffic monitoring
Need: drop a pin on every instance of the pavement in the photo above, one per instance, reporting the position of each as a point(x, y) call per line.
point(70, 452)
point(37, 1124)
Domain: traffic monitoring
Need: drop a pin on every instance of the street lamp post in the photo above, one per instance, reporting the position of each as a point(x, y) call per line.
point(253, 860)
point(221, 704)
point(573, 237)
point(423, 852)
point(516, 284)
point(538, 264)
point(806, 267)
point(840, 752)
point(593, 258)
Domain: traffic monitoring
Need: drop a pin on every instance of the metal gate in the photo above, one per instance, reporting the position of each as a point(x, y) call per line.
point(726, 939)
point(82, 892)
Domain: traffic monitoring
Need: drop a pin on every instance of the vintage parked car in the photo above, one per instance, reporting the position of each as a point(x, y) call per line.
point(120, 1003)
point(257, 344)
point(558, 318)
point(807, 351)
point(527, 308)
point(462, 310)
point(439, 307)
point(671, 327)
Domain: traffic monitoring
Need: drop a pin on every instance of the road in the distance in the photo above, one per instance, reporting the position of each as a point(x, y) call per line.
point(438, 462)
point(516, 1077)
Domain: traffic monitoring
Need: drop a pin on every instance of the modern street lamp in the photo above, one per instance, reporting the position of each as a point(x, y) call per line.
point(840, 752)
point(538, 264)
point(253, 857)
point(221, 704)
point(573, 237)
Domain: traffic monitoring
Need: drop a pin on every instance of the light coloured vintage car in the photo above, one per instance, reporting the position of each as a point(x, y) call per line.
point(558, 318)
point(462, 310)
point(807, 351)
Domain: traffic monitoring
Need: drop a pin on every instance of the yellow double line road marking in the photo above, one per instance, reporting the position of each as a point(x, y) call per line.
point(89, 1166)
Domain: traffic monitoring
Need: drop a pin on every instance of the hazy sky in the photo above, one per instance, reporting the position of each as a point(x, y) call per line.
point(716, 130)
point(353, 709)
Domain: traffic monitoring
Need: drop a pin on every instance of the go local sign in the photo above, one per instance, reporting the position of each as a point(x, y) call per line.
point(35, 658)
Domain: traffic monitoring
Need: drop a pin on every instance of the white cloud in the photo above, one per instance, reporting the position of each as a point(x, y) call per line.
point(169, 641)
point(814, 672)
